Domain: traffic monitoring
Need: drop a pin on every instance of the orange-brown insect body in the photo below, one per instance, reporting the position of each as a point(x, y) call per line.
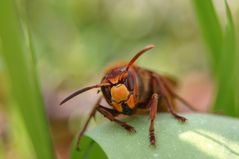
point(129, 87)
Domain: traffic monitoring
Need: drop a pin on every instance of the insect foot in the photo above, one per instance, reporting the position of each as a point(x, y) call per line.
point(180, 118)
point(152, 138)
point(129, 128)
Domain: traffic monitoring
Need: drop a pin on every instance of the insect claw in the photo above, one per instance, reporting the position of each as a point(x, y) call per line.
point(130, 129)
point(180, 118)
point(133, 130)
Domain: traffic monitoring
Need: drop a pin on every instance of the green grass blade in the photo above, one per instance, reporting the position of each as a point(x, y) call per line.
point(223, 55)
point(227, 81)
point(22, 77)
point(22, 145)
point(211, 29)
point(202, 136)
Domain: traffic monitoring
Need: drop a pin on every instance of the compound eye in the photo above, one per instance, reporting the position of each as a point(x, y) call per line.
point(129, 82)
point(106, 92)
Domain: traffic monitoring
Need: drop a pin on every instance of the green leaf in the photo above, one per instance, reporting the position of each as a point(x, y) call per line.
point(89, 149)
point(202, 136)
point(23, 81)
point(211, 30)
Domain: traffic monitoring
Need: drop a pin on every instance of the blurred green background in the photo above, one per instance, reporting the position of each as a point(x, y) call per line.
point(65, 45)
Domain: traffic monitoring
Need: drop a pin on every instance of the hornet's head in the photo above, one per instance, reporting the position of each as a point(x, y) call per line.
point(121, 94)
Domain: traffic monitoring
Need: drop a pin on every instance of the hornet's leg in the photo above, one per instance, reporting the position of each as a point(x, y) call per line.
point(153, 105)
point(167, 96)
point(110, 114)
point(92, 114)
point(170, 90)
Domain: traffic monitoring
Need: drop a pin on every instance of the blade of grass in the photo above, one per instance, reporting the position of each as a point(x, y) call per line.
point(22, 146)
point(223, 55)
point(227, 81)
point(211, 30)
point(22, 77)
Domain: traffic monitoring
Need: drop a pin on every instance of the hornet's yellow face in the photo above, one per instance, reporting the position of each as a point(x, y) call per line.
point(121, 98)
point(119, 93)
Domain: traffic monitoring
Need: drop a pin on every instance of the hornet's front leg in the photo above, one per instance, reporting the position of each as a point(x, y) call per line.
point(110, 114)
